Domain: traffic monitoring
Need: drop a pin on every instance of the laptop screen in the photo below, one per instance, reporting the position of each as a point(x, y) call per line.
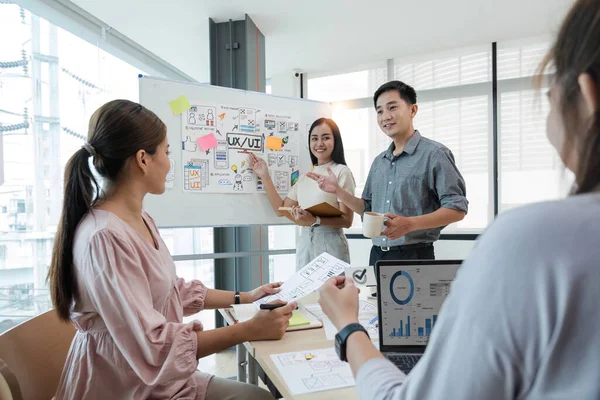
point(410, 295)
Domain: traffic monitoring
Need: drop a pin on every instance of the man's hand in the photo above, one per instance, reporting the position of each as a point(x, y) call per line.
point(327, 183)
point(397, 226)
point(338, 298)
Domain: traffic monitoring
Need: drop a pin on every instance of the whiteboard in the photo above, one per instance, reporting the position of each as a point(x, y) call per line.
point(178, 207)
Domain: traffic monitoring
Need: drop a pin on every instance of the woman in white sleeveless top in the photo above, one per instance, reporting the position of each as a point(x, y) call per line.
point(318, 234)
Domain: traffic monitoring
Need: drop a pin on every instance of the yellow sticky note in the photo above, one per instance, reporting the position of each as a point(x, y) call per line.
point(298, 320)
point(179, 105)
point(274, 143)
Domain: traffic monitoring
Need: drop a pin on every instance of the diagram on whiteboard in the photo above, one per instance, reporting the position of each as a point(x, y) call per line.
point(216, 141)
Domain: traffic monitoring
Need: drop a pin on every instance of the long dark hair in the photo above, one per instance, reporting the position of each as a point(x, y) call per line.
point(577, 51)
point(117, 131)
point(338, 146)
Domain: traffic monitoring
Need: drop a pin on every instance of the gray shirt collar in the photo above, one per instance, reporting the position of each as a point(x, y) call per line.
point(410, 147)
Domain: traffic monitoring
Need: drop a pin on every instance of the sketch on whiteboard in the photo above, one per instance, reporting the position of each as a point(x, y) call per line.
point(247, 120)
point(170, 179)
point(295, 177)
point(221, 155)
point(293, 161)
point(238, 186)
point(269, 124)
point(244, 142)
point(281, 181)
point(239, 130)
point(201, 116)
point(281, 160)
point(282, 127)
point(196, 175)
point(189, 145)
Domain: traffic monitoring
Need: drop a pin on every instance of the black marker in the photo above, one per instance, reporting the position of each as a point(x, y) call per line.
point(270, 306)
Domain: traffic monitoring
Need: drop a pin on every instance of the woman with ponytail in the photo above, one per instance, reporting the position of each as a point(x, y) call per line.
point(114, 279)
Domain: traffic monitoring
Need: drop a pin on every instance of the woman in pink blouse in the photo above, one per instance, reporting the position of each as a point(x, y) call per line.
point(113, 277)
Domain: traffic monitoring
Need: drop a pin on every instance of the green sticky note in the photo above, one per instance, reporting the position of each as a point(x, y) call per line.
point(298, 320)
point(179, 105)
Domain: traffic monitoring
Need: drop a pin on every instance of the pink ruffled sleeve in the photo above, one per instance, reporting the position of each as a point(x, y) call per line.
point(192, 296)
point(116, 283)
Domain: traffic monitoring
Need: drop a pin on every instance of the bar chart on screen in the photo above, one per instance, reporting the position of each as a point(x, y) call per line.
point(410, 305)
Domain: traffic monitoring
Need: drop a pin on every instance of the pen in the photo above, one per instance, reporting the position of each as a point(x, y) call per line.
point(270, 306)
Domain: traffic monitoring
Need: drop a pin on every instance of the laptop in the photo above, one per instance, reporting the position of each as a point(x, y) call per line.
point(410, 295)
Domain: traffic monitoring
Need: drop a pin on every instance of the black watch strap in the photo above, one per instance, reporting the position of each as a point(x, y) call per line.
point(341, 339)
point(237, 297)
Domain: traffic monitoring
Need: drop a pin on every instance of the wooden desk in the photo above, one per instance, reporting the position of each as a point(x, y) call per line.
point(310, 339)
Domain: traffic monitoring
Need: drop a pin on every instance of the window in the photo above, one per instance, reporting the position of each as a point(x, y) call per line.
point(352, 85)
point(458, 68)
point(283, 266)
point(530, 169)
point(455, 108)
point(454, 97)
point(40, 130)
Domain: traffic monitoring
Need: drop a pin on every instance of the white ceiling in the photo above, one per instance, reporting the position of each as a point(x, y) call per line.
point(318, 36)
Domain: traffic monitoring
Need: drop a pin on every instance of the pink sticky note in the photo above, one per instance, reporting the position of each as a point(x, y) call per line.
point(207, 142)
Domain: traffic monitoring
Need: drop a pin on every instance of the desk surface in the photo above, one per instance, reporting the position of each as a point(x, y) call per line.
point(309, 339)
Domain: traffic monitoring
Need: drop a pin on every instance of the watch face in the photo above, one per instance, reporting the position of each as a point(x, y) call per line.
point(338, 346)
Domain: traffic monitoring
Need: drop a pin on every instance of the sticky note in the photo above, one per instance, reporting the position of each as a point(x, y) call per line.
point(274, 143)
point(298, 320)
point(179, 105)
point(207, 142)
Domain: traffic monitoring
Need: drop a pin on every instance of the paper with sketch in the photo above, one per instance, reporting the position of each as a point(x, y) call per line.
point(370, 324)
point(308, 279)
point(365, 308)
point(367, 317)
point(313, 371)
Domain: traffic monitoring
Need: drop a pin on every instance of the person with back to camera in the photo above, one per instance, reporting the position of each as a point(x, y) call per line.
point(522, 318)
point(318, 234)
point(112, 276)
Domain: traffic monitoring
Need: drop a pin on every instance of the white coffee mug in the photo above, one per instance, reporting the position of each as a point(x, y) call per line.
point(372, 224)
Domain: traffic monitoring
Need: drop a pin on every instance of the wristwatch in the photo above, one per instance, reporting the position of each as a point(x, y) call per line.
point(317, 223)
point(342, 337)
point(236, 297)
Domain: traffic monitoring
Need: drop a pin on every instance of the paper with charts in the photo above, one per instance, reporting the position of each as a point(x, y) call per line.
point(313, 371)
point(216, 140)
point(308, 279)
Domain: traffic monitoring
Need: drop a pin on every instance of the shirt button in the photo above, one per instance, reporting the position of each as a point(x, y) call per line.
point(390, 182)
point(388, 201)
point(392, 164)
point(384, 239)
